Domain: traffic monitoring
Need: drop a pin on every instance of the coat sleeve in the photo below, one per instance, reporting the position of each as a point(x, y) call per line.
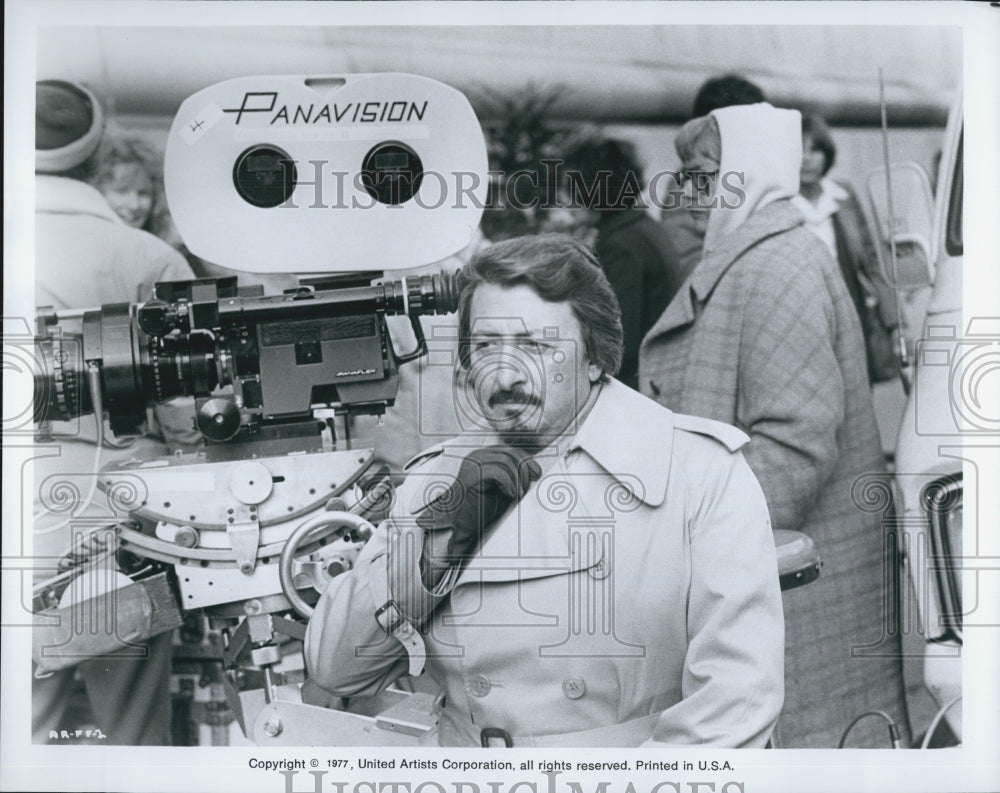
point(151, 260)
point(791, 390)
point(733, 680)
point(347, 652)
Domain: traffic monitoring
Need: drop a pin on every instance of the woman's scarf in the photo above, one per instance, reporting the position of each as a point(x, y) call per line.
point(760, 164)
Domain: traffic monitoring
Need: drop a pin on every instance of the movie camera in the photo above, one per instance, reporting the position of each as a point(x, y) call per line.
point(340, 175)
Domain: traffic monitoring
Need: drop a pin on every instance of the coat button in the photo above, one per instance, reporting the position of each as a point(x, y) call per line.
point(479, 686)
point(574, 687)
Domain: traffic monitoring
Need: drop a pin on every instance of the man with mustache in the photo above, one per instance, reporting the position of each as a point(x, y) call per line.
point(581, 567)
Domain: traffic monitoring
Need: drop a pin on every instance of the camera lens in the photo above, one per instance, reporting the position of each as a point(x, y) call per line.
point(264, 176)
point(392, 173)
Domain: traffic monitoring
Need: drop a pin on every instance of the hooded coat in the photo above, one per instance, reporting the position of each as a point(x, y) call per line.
point(763, 335)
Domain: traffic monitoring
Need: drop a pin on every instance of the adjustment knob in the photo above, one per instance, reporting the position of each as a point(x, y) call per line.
point(157, 318)
point(218, 419)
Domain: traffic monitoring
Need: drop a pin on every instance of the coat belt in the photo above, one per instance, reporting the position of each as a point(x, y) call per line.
point(455, 730)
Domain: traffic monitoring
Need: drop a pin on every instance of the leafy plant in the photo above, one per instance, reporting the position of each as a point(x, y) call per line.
point(524, 146)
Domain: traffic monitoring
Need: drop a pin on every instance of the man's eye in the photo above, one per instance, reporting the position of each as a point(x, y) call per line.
point(487, 345)
point(530, 345)
point(495, 345)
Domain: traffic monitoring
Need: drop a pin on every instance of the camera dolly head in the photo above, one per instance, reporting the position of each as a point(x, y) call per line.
point(253, 527)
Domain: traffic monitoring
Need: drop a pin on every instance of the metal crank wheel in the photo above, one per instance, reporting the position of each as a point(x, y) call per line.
point(298, 537)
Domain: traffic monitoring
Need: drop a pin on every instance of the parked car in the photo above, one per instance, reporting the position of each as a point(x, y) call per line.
point(942, 409)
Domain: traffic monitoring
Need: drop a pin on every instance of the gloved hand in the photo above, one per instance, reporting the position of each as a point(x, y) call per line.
point(488, 482)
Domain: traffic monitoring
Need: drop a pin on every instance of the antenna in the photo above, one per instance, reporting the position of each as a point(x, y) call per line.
point(905, 371)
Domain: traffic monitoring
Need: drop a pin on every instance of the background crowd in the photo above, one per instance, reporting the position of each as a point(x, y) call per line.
point(773, 315)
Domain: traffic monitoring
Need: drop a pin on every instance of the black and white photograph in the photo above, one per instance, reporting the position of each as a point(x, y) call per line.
point(529, 397)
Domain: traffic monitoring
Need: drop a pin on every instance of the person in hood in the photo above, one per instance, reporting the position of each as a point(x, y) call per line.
point(86, 255)
point(764, 335)
point(682, 226)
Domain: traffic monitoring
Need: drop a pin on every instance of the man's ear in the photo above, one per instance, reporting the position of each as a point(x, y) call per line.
point(594, 372)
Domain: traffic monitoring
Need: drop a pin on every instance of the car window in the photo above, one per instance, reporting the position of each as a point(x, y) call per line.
point(953, 230)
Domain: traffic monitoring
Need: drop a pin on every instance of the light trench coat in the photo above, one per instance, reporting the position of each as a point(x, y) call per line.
point(630, 597)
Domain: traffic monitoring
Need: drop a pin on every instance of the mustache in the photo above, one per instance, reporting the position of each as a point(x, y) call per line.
point(517, 396)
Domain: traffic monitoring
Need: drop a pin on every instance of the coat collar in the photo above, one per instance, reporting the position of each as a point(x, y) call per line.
point(616, 435)
point(774, 218)
point(60, 195)
point(552, 530)
point(619, 436)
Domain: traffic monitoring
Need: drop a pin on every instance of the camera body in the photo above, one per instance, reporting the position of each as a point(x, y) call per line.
point(256, 365)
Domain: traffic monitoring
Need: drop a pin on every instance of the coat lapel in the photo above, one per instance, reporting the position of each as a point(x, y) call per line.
point(527, 543)
point(565, 521)
point(773, 219)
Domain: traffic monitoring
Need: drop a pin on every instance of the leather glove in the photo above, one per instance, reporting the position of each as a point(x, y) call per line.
point(489, 480)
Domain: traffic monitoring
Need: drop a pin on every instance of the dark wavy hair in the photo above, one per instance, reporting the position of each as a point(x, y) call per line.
point(605, 166)
point(815, 127)
point(560, 269)
point(723, 91)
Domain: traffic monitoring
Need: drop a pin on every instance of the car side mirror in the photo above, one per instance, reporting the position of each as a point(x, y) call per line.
point(912, 222)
